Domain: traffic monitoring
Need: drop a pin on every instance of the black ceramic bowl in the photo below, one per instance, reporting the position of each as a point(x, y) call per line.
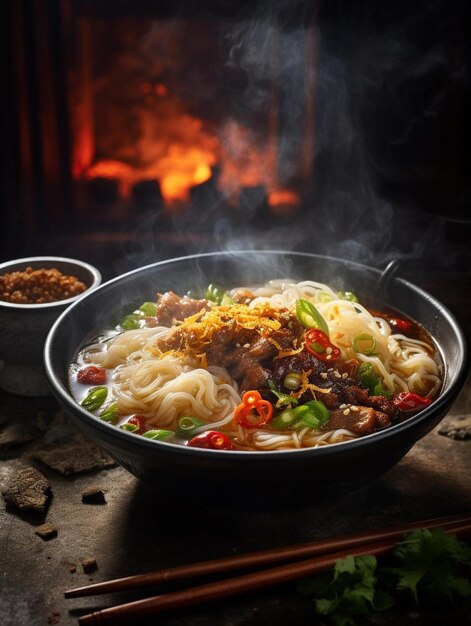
point(333, 467)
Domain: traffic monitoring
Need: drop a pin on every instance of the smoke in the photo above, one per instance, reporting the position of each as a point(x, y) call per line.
point(365, 110)
point(385, 96)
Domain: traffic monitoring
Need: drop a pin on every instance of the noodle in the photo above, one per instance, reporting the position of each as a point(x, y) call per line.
point(163, 373)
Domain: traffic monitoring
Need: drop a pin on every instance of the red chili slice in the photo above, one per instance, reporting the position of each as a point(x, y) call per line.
point(254, 412)
point(140, 422)
point(404, 326)
point(318, 344)
point(408, 401)
point(92, 375)
point(398, 323)
point(211, 439)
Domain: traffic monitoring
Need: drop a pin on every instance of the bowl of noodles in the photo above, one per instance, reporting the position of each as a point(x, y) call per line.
point(265, 368)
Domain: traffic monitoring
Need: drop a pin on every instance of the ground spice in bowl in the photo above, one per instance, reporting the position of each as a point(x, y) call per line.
point(38, 286)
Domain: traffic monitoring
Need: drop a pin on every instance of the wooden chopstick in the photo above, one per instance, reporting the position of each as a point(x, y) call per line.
point(141, 609)
point(261, 558)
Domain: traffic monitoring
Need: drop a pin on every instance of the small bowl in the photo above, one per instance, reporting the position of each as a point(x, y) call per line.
point(25, 326)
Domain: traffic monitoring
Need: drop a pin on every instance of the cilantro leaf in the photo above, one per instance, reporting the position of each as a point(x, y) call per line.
point(284, 399)
point(432, 565)
point(351, 591)
point(429, 565)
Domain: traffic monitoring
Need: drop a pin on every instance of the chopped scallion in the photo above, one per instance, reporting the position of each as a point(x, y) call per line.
point(309, 316)
point(158, 434)
point(364, 343)
point(94, 398)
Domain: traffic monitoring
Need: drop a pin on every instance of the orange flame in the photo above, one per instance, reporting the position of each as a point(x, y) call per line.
point(178, 151)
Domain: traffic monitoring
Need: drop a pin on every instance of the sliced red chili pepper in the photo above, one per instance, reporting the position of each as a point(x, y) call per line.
point(254, 412)
point(319, 345)
point(408, 401)
point(92, 375)
point(406, 327)
point(398, 323)
point(211, 439)
point(140, 422)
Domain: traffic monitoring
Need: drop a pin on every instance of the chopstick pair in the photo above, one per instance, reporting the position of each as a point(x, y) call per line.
point(323, 553)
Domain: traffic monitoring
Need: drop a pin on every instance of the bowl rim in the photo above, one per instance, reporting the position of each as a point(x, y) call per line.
point(345, 447)
point(94, 272)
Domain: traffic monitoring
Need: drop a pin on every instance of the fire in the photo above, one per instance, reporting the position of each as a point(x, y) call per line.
point(181, 169)
point(178, 151)
point(283, 197)
point(113, 170)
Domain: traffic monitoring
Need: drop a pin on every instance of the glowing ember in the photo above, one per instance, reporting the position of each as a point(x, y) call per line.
point(182, 169)
point(176, 149)
point(117, 170)
point(283, 197)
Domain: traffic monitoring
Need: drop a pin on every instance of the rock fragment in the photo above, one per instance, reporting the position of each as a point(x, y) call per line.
point(93, 495)
point(46, 531)
point(14, 435)
point(457, 428)
point(89, 565)
point(74, 456)
point(28, 490)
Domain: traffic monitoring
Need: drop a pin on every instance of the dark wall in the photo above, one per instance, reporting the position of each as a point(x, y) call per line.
point(392, 130)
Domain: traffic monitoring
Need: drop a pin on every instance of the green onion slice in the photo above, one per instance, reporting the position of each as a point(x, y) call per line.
point(227, 300)
point(284, 420)
point(110, 413)
point(94, 398)
point(292, 380)
point(188, 424)
point(309, 316)
point(380, 389)
point(158, 434)
point(131, 321)
point(368, 376)
point(130, 428)
point(214, 293)
point(316, 414)
point(364, 343)
point(149, 309)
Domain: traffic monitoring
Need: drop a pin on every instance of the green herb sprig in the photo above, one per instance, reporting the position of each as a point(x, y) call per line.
point(430, 567)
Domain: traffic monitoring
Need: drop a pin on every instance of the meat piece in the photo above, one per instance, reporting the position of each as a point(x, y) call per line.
point(361, 420)
point(220, 342)
point(172, 307)
point(333, 376)
point(260, 350)
point(255, 376)
point(358, 395)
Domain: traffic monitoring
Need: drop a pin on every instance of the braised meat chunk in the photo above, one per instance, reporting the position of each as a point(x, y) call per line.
point(172, 307)
point(361, 420)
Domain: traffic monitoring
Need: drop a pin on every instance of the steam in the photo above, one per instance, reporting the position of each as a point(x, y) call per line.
point(343, 108)
point(378, 94)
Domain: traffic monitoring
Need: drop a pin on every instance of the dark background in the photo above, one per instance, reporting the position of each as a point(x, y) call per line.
point(391, 175)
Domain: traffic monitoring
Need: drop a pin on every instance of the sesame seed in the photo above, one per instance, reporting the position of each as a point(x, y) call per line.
point(329, 356)
point(355, 408)
point(337, 374)
point(343, 406)
point(324, 375)
point(329, 350)
point(246, 345)
point(237, 345)
point(345, 375)
point(331, 369)
point(346, 412)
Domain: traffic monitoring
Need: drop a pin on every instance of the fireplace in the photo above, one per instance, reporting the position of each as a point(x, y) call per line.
point(175, 114)
point(318, 118)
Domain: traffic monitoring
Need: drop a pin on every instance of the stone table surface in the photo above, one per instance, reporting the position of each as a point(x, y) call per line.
point(139, 529)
